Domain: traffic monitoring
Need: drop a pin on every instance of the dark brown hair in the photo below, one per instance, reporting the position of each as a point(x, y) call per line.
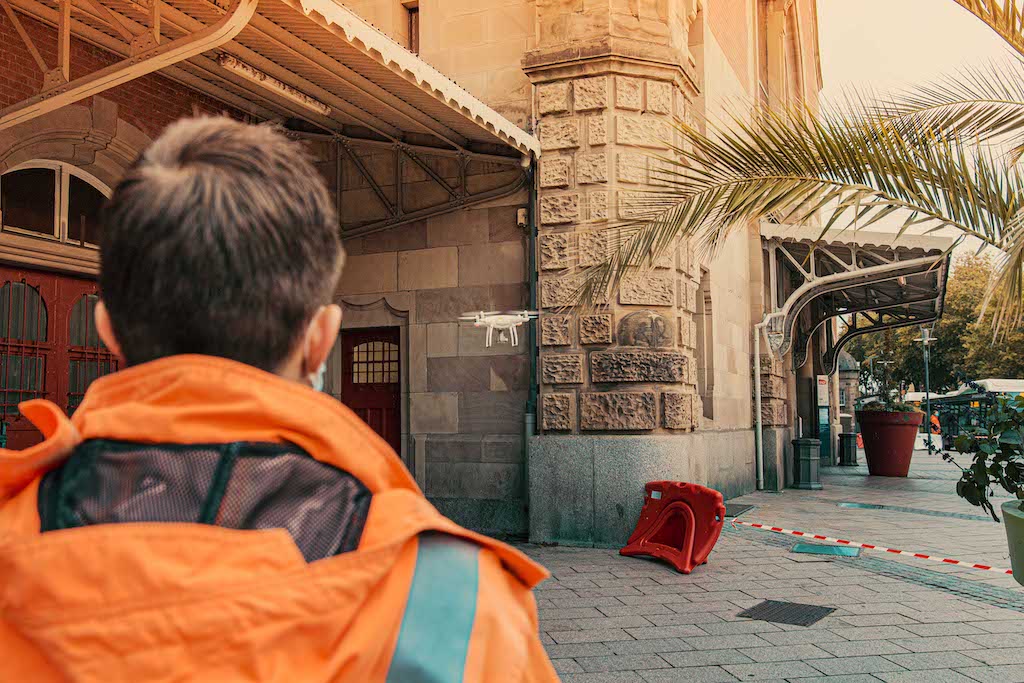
point(221, 240)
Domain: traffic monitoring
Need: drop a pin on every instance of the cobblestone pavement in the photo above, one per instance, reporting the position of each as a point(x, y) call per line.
point(606, 618)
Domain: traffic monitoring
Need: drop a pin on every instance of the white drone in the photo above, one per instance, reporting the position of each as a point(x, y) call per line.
point(506, 322)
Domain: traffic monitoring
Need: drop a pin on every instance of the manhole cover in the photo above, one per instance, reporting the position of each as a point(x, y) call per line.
point(792, 613)
point(736, 509)
point(836, 550)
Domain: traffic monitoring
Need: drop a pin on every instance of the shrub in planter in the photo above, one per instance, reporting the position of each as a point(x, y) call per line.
point(997, 459)
point(889, 429)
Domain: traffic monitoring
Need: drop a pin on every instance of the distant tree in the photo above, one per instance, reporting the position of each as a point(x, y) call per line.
point(964, 347)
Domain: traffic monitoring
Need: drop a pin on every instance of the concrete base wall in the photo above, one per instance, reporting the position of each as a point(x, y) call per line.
point(588, 490)
point(778, 458)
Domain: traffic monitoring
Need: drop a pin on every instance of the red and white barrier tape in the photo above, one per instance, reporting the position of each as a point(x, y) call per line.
point(868, 546)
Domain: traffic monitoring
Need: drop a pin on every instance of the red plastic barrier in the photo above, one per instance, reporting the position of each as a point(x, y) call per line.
point(679, 523)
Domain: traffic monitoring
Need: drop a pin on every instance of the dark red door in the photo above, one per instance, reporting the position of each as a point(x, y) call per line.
point(371, 380)
point(48, 345)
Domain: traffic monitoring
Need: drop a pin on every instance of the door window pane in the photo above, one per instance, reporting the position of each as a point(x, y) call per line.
point(375, 363)
point(23, 325)
point(84, 205)
point(28, 200)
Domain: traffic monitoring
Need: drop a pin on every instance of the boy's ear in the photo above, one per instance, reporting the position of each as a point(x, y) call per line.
point(106, 330)
point(321, 334)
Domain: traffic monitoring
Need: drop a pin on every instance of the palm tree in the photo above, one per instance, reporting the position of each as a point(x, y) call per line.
point(935, 157)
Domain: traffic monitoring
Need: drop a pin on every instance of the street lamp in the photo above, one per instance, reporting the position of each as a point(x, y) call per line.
point(926, 339)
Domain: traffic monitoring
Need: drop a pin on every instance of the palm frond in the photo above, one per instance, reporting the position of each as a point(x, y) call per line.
point(849, 168)
point(982, 103)
point(1002, 16)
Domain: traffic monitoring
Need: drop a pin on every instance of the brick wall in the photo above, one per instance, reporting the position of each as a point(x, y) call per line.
point(149, 103)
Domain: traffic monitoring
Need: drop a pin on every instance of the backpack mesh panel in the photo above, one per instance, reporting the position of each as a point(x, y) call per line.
point(238, 486)
point(105, 483)
point(322, 511)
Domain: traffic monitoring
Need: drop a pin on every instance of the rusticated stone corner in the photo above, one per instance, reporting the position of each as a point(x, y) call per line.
point(559, 292)
point(591, 93)
point(647, 290)
point(593, 247)
point(554, 251)
point(638, 366)
point(618, 411)
point(553, 98)
point(556, 412)
point(562, 369)
point(560, 208)
point(678, 411)
point(554, 330)
point(554, 172)
point(560, 134)
point(645, 328)
point(596, 329)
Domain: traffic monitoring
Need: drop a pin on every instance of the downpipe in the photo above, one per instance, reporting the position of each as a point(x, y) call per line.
point(758, 437)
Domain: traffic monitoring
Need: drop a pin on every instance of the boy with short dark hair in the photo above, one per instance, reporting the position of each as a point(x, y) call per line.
point(206, 515)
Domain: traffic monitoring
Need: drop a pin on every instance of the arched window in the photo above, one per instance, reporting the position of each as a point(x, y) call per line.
point(375, 362)
point(88, 358)
point(53, 200)
point(23, 350)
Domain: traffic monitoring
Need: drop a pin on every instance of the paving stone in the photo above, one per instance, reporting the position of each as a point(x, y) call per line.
point(607, 677)
point(642, 610)
point(937, 643)
point(879, 633)
point(1010, 655)
point(727, 642)
point(622, 663)
point(849, 678)
point(550, 625)
point(597, 635)
point(1003, 640)
point(680, 631)
point(702, 674)
point(785, 653)
point(802, 636)
point(762, 672)
point(943, 629)
point(878, 620)
point(999, 626)
point(706, 658)
point(739, 627)
point(612, 622)
point(566, 666)
point(937, 660)
point(861, 648)
point(578, 650)
point(652, 645)
point(930, 676)
point(1013, 673)
point(855, 665)
point(569, 613)
point(673, 619)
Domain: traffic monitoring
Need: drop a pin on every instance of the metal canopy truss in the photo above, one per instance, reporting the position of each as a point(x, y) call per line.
point(313, 61)
point(382, 185)
point(854, 276)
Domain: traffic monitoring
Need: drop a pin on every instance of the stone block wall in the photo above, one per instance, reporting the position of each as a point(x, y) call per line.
point(464, 403)
point(629, 365)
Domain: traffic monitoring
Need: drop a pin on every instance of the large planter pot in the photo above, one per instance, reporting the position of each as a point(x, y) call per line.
point(1013, 522)
point(888, 441)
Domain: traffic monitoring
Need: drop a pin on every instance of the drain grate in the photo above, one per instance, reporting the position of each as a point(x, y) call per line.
point(736, 509)
point(792, 613)
point(816, 549)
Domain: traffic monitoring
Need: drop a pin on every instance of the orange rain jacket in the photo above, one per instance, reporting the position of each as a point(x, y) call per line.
point(148, 602)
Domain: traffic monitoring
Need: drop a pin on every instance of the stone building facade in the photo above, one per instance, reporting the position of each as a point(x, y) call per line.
point(555, 437)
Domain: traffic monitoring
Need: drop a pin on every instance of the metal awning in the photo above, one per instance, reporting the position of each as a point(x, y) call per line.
point(869, 280)
point(314, 60)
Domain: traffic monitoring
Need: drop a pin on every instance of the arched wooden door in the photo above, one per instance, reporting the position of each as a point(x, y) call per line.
point(371, 380)
point(48, 345)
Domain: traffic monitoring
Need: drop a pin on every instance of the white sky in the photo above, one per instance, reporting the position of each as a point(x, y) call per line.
point(883, 44)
